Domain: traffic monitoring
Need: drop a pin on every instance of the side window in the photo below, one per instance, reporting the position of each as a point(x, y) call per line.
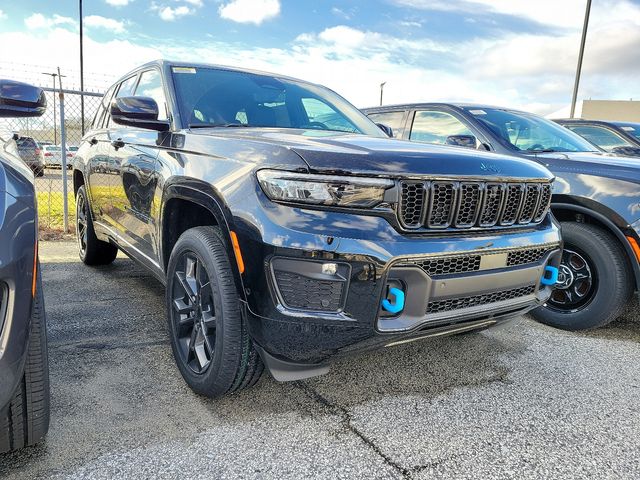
point(600, 136)
point(103, 111)
point(150, 85)
point(319, 112)
point(395, 120)
point(435, 127)
point(125, 89)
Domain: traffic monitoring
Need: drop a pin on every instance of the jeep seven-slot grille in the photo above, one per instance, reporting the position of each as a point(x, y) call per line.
point(449, 204)
point(476, 300)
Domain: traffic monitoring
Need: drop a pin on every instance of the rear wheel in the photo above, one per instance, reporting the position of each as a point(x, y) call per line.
point(25, 421)
point(209, 336)
point(595, 280)
point(91, 250)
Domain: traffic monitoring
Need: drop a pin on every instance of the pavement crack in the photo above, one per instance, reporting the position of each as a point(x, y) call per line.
point(348, 425)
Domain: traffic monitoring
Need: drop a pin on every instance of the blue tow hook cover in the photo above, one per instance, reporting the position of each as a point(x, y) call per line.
point(398, 305)
point(550, 276)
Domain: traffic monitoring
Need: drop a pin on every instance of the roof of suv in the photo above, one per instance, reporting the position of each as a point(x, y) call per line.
point(460, 105)
point(162, 63)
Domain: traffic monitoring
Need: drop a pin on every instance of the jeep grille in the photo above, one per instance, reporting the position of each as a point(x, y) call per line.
point(450, 204)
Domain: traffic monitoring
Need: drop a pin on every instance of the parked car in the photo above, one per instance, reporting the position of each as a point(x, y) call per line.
point(281, 240)
point(31, 154)
point(52, 156)
point(596, 197)
point(618, 138)
point(24, 371)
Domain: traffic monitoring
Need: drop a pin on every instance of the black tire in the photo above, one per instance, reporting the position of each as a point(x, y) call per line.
point(209, 337)
point(25, 421)
point(608, 291)
point(91, 250)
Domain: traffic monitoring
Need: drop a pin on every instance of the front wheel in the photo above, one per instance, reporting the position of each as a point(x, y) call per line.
point(595, 280)
point(25, 421)
point(209, 336)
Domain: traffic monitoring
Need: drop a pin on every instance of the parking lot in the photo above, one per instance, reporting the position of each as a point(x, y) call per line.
point(524, 401)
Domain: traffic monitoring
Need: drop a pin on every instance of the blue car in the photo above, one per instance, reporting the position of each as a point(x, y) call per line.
point(24, 371)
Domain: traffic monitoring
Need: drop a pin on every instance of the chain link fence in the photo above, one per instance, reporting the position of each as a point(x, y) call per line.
point(48, 144)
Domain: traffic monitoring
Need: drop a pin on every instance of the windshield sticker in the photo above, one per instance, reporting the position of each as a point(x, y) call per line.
point(477, 112)
point(628, 129)
point(183, 70)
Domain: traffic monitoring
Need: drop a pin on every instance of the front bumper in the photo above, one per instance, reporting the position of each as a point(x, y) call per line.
point(369, 256)
point(18, 240)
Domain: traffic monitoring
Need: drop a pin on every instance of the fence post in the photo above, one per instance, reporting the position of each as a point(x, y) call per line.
point(63, 145)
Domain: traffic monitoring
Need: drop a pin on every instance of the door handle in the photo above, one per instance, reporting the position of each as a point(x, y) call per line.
point(93, 141)
point(117, 144)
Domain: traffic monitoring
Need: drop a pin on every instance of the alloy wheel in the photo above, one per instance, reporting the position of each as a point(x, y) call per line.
point(576, 284)
point(81, 223)
point(193, 313)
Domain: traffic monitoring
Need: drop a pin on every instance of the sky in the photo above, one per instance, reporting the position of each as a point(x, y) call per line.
point(516, 53)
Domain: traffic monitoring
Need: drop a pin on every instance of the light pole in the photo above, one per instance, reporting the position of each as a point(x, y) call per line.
point(55, 127)
point(81, 70)
point(382, 90)
point(580, 56)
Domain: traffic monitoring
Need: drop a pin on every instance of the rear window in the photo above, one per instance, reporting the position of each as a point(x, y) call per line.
point(26, 142)
point(51, 148)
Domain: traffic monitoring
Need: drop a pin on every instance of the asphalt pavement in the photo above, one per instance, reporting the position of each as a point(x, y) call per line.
point(523, 401)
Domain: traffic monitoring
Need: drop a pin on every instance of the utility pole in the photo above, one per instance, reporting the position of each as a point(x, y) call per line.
point(576, 84)
point(55, 125)
point(381, 90)
point(81, 70)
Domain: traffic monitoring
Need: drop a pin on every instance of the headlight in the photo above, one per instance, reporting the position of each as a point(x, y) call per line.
point(323, 189)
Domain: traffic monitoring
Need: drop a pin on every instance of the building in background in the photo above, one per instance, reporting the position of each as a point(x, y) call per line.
point(620, 110)
point(612, 110)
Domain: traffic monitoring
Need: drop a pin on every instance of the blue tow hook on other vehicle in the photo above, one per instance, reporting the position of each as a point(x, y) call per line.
point(398, 304)
point(550, 276)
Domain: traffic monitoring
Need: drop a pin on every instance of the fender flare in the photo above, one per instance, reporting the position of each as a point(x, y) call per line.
point(612, 227)
point(205, 196)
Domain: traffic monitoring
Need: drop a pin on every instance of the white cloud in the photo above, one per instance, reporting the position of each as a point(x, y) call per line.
point(170, 14)
point(530, 71)
point(250, 11)
point(564, 13)
point(102, 22)
point(39, 21)
point(2, 15)
point(195, 3)
point(118, 3)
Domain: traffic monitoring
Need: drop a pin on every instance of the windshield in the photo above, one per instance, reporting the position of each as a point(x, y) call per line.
point(630, 128)
point(529, 133)
point(224, 98)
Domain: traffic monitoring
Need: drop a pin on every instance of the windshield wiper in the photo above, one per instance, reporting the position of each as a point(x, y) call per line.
point(543, 150)
point(219, 125)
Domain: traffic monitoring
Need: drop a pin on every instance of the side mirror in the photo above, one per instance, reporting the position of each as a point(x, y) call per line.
point(468, 141)
point(386, 129)
point(626, 151)
point(141, 112)
point(19, 99)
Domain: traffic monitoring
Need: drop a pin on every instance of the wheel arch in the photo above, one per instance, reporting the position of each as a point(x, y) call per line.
point(192, 204)
point(564, 211)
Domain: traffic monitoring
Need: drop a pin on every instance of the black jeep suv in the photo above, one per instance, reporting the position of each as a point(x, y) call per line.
point(284, 240)
point(24, 371)
point(596, 197)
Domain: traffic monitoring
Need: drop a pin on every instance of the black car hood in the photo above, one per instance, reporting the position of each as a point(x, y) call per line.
point(342, 153)
point(593, 163)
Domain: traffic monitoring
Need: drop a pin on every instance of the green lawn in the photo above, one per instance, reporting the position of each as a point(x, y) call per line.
point(51, 210)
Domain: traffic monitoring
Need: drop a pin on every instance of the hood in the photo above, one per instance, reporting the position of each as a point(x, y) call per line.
point(344, 153)
point(593, 163)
